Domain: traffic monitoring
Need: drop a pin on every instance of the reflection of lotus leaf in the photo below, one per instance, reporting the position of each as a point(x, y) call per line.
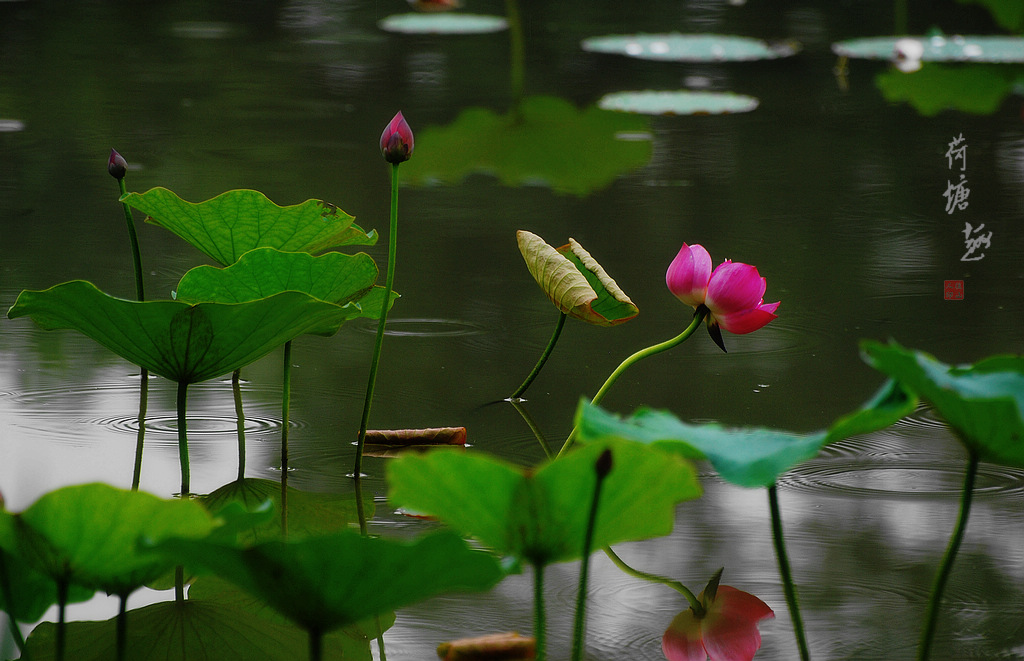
point(545, 139)
point(443, 24)
point(977, 89)
point(677, 47)
point(938, 48)
point(682, 102)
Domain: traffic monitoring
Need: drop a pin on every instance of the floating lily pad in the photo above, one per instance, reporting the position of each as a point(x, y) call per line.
point(748, 457)
point(344, 280)
point(541, 516)
point(237, 221)
point(182, 342)
point(984, 402)
point(681, 102)
point(443, 24)
point(575, 282)
point(530, 145)
point(677, 47)
point(937, 48)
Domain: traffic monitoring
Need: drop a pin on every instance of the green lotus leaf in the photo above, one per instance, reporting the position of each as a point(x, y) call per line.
point(322, 583)
point(983, 403)
point(575, 282)
point(542, 516)
point(237, 221)
point(442, 24)
point(309, 513)
point(543, 141)
point(937, 48)
point(345, 280)
point(748, 457)
point(26, 594)
point(196, 630)
point(1009, 14)
point(182, 342)
point(677, 47)
point(978, 89)
point(681, 102)
point(87, 535)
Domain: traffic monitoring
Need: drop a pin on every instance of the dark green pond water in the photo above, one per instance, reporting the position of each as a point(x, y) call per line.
point(834, 192)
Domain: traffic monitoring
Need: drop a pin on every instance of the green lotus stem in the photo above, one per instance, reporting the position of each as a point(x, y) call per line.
point(183, 437)
point(784, 571)
point(286, 398)
point(60, 641)
point(140, 437)
point(140, 290)
point(179, 585)
point(604, 465)
point(122, 626)
point(543, 359)
point(8, 595)
point(381, 323)
point(380, 640)
point(236, 390)
point(539, 622)
point(928, 633)
point(315, 645)
point(694, 602)
point(533, 427)
point(360, 515)
point(516, 48)
point(698, 317)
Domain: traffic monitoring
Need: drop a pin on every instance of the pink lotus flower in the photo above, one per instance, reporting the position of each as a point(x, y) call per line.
point(727, 631)
point(733, 293)
point(396, 142)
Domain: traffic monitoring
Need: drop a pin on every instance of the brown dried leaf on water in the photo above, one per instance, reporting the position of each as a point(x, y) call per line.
point(492, 647)
point(405, 437)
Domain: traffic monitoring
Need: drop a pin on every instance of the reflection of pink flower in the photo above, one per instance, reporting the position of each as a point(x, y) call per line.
point(396, 142)
point(726, 632)
point(733, 293)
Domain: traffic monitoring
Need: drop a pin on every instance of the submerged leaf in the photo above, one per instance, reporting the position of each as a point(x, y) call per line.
point(575, 282)
point(748, 457)
point(539, 516)
point(235, 222)
point(325, 582)
point(181, 342)
point(984, 403)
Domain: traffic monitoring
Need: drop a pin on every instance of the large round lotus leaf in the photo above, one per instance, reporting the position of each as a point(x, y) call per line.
point(682, 102)
point(443, 24)
point(937, 48)
point(689, 47)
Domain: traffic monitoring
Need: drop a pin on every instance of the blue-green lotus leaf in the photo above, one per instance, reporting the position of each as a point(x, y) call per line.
point(443, 24)
point(235, 222)
point(983, 403)
point(677, 47)
point(680, 102)
point(936, 48)
point(748, 457)
point(182, 342)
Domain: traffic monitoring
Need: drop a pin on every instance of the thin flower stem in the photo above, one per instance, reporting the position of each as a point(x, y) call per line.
point(539, 621)
point(935, 602)
point(236, 389)
point(183, 436)
point(381, 323)
point(698, 317)
point(695, 604)
point(7, 592)
point(140, 290)
point(122, 626)
point(315, 645)
point(543, 359)
point(784, 571)
point(581, 594)
point(179, 585)
point(533, 427)
point(62, 606)
point(140, 437)
point(380, 640)
point(286, 398)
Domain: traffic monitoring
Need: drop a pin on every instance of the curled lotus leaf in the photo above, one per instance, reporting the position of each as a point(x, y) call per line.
point(575, 282)
point(181, 342)
point(983, 403)
point(237, 221)
point(429, 436)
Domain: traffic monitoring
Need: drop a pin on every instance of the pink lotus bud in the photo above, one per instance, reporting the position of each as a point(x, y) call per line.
point(688, 274)
point(116, 166)
point(396, 142)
